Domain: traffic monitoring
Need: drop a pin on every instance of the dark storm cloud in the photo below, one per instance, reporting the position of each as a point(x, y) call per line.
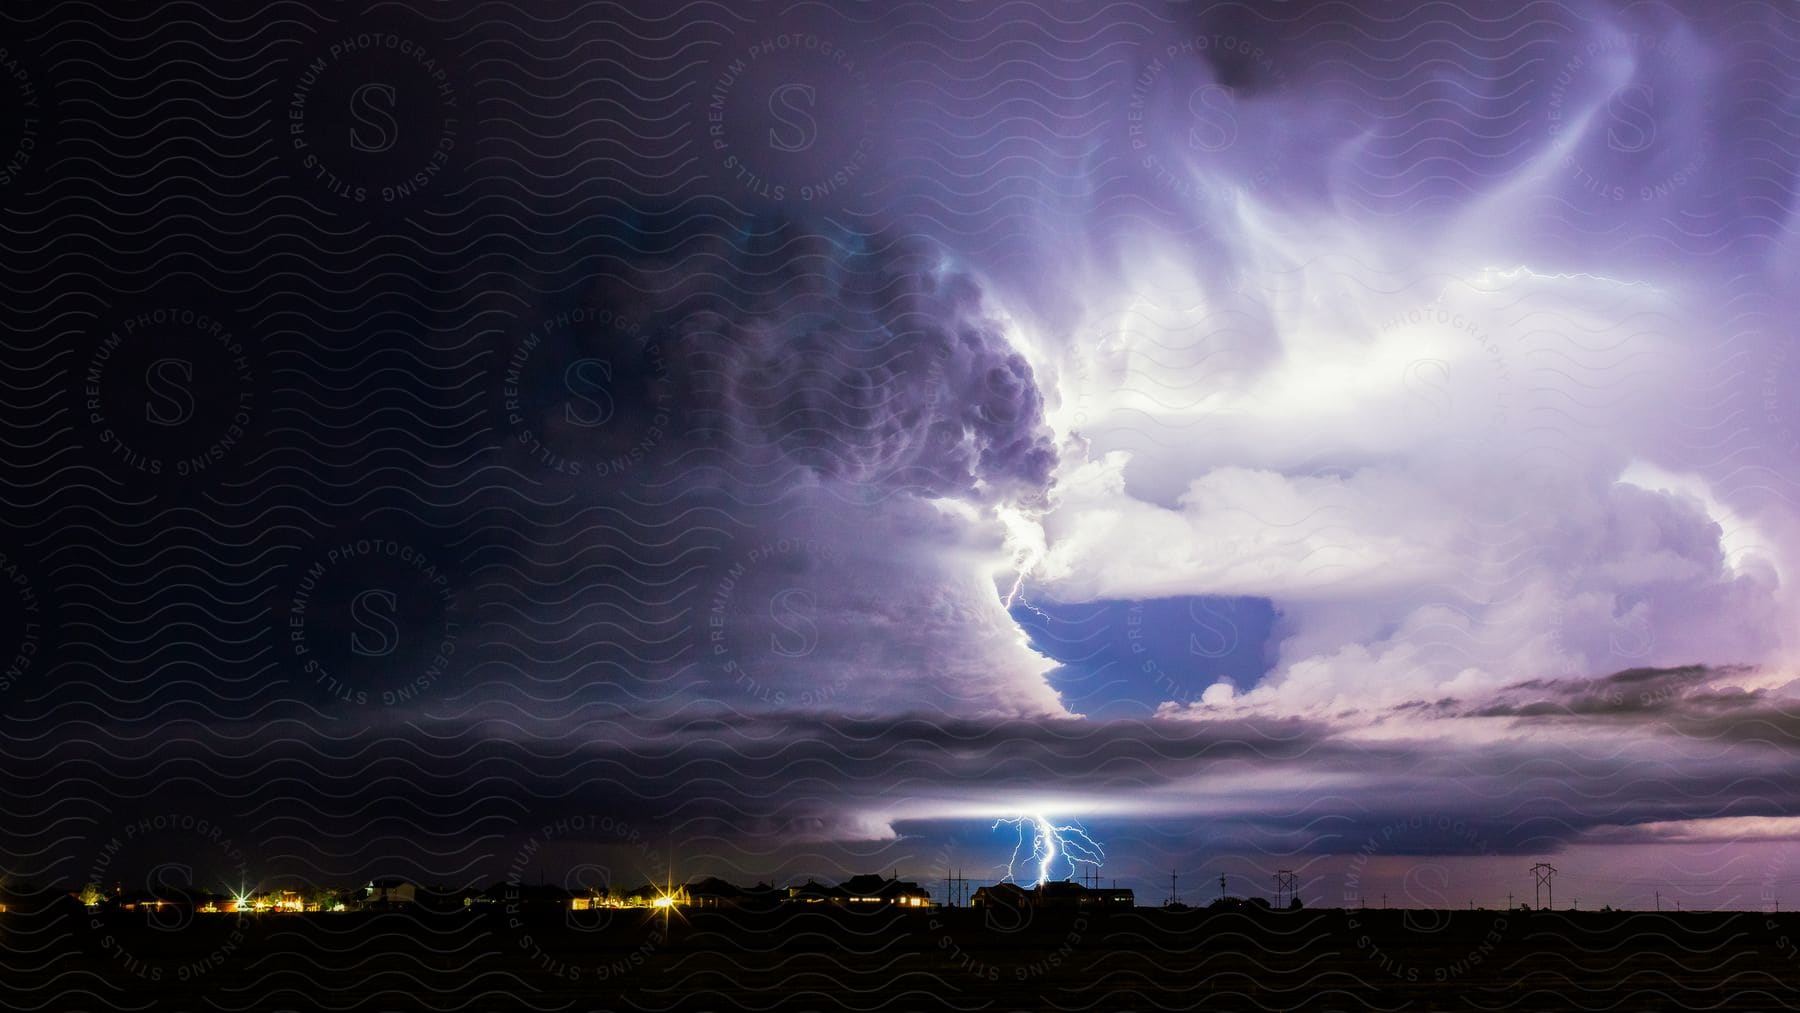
point(752, 424)
point(609, 392)
point(313, 805)
point(864, 359)
point(1683, 695)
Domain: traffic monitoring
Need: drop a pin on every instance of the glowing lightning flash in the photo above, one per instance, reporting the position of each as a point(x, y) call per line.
point(1026, 539)
point(1049, 842)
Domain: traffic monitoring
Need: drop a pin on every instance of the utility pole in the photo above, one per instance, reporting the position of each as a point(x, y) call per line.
point(1659, 900)
point(1509, 900)
point(1384, 900)
point(956, 893)
point(1545, 874)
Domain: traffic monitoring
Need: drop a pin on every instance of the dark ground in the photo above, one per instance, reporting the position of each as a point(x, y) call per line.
point(1144, 959)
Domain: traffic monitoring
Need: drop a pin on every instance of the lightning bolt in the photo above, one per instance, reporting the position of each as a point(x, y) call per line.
point(1013, 592)
point(1041, 614)
point(1048, 842)
point(1026, 539)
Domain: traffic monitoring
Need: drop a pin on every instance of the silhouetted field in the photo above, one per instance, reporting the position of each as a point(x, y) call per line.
point(1145, 959)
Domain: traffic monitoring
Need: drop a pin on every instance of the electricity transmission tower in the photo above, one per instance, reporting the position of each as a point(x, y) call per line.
point(1545, 874)
point(1286, 884)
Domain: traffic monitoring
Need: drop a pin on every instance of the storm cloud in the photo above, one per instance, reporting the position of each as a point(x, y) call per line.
point(1270, 434)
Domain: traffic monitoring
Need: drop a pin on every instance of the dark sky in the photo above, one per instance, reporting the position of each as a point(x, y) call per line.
point(783, 440)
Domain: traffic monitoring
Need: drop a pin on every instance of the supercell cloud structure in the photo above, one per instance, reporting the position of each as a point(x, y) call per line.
point(821, 432)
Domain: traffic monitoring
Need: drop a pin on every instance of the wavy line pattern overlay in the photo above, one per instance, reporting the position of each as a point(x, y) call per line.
point(653, 506)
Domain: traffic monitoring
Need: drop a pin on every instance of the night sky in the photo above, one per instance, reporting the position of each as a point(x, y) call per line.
point(786, 440)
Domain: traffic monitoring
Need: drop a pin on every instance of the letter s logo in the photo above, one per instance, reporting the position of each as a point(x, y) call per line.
point(590, 881)
point(791, 609)
point(1215, 638)
point(1633, 120)
point(383, 129)
point(1215, 122)
point(1423, 886)
point(1428, 380)
point(171, 402)
point(1632, 636)
point(374, 611)
point(171, 882)
point(591, 391)
point(802, 123)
